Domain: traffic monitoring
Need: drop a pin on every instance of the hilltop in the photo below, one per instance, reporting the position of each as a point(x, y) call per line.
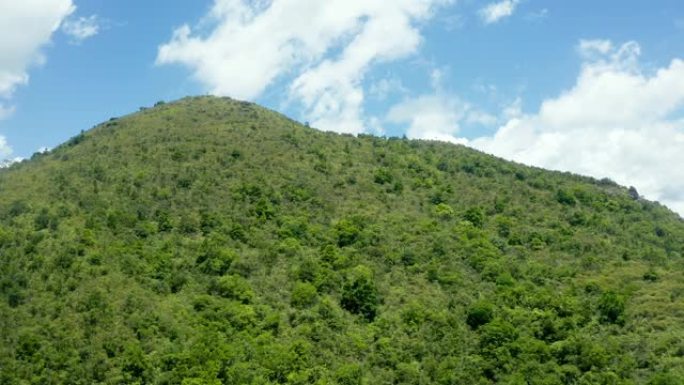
point(210, 241)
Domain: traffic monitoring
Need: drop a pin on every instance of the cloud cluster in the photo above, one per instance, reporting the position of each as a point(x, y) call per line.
point(618, 121)
point(327, 47)
point(495, 12)
point(437, 116)
point(5, 149)
point(25, 27)
point(430, 117)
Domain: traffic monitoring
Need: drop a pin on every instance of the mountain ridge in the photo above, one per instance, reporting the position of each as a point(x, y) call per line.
point(213, 241)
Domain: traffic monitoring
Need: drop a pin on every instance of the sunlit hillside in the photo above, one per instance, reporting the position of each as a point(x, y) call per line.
point(212, 241)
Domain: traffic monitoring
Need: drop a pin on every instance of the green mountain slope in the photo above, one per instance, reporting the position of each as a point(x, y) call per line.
point(210, 241)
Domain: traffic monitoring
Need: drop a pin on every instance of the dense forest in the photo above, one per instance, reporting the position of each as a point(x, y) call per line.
point(212, 241)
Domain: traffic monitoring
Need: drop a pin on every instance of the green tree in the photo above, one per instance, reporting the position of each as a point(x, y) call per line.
point(475, 215)
point(480, 313)
point(303, 294)
point(611, 308)
point(359, 294)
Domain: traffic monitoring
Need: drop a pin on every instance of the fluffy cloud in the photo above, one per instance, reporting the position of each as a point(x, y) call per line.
point(430, 117)
point(618, 121)
point(494, 12)
point(589, 49)
point(25, 26)
point(81, 28)
point(382, 88)
point(5, 151)
point(437, 117)
point(327, 47)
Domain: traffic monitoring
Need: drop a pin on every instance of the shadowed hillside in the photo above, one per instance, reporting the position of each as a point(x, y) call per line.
point(211, 241)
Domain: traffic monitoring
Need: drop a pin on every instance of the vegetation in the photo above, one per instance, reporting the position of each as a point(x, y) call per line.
point(210, 241)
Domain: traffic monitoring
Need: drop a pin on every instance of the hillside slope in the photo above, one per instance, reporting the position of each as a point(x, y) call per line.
point(211, 241)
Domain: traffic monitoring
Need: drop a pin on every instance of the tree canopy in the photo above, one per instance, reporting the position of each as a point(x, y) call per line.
point(212, 241)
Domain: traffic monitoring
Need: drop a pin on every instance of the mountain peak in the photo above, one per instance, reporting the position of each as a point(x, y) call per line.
point(210, 240)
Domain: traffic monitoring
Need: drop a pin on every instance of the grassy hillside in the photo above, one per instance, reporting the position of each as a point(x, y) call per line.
point(210, 241)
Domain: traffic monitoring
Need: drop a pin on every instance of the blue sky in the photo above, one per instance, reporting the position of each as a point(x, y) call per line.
point(593, 87)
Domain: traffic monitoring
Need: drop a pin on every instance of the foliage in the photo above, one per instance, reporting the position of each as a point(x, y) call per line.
point(211, 241)
point(612, 308)
point(359, 295)
point(480, 314)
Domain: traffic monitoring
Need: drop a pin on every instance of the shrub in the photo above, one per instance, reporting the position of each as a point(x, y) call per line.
point(666, 379)
point(216, 260)
point(444, 211)
point(382, 176)
point(303, 295)
point(565, 197)
point(359, 295)
point(349, 374)
point(479, 314)
point(233, 287)
point(497, 333)
point(612, 308)
point(475, 215)
point(347, 233)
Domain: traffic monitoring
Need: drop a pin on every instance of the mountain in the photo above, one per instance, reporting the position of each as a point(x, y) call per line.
point(212, 241)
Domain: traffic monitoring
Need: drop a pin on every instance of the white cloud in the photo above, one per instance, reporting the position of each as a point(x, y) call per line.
point(375, 126)
point(494, 12)
point(513, 110)
point(8, 162)
point(618, 121)
point(25, 27)
point(436, 78)
point(480, 118)
point(5, 149)
point(429, 117)
point(81, 28)
point(384, 87)
point(452, 22)
point(538, 15)
point(327, 47)
point(437, 117)
point(590, 48)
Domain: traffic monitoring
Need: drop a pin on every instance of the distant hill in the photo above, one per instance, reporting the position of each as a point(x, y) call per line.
point(212, 241)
